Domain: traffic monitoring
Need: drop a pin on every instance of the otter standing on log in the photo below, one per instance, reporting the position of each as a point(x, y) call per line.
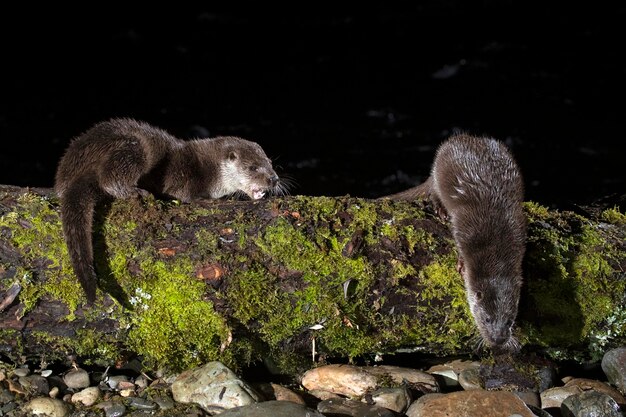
point(123, 158)
point(478, 183)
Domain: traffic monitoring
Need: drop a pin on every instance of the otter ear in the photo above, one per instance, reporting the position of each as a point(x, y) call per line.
point(232, 155)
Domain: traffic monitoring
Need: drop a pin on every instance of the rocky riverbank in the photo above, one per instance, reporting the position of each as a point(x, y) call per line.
point(458, 387)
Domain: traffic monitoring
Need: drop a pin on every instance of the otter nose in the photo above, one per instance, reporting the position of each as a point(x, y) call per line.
point(274, 180)
point(500, 340)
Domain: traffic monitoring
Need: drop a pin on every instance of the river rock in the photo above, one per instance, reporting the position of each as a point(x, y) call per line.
point(590, 404)
point(112, 408)
point(87, 397)
point(273, 409)
point(21, 372)
point(396, 399)
point(76, 379)
point(598, 386)
point(470, 403)
point(470, 379)
point(35, 384)
point(417, 380)
point(614, 367)
point(347, 407)
point(553, 397)
point(114, 381)
point(448, 373)
point(214, 387)
point(348, 380)
point(529, 398)
point(323, 394)
point(277, 392)
point(46, 407)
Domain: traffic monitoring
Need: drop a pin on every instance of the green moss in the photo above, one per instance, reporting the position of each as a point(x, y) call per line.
point(170, 309)
point(86, 343)
point(419, 238)
point(574, 291)
point(207, 242)
point(450, 312)
point(281, 314)
point(401, 270)
point(535, 210)
point(36, 231)
point(614, 216)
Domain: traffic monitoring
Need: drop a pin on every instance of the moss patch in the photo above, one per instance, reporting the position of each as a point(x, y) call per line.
point(170, 310)
point(35, 230)
point(572, 291)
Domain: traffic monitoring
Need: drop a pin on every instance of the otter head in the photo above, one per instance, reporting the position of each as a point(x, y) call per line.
point(493, 302)
point(246, 168)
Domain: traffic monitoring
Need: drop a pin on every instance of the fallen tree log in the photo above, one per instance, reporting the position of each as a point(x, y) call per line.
point(286, 278)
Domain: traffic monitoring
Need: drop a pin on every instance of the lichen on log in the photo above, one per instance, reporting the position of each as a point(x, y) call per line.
point(242, 281)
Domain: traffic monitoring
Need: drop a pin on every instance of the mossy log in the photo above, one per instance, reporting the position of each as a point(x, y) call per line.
point(241, 281)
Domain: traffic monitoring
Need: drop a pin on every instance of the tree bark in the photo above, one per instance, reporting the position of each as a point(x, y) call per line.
point(290, 279)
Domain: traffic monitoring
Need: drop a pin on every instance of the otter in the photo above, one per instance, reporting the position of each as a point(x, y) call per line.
point(124, 158)
point(476, 183)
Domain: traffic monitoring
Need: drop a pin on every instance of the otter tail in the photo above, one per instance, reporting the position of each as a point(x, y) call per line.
point(77, 208)
point(420, 191)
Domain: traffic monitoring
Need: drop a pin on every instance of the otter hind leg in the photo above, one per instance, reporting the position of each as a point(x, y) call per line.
point(123, 169)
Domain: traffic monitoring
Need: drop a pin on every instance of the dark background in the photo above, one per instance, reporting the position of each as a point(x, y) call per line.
point(346, 101)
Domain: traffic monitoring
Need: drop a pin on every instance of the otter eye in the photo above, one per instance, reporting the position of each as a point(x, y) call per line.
point(253, 168)
point(488, 320)
point(479, 295)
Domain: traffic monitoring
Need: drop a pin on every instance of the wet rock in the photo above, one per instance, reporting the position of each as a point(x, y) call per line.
point(76, 379)
point(114, 381)
point(614, 367)
point(164, 402)
point(529, 398)
point(6, 395)
point(277, 392)
point(323, 394)
point(448, 373)
point(348, 380)
point(48, 407)
point(87, 397)
point(273, 409)
point(21, 372)
point(344, 406)
point(112, 408)
point(214, 387)
point(35, 384)
point(590, 404)
point(470, 403)
point(598, 386)
point(142, 403)
point(470, 379)
point(506, 375)
point(417, 380)
point(537, 411)
point(396, 399)
point(553, 397)
point(142, 382)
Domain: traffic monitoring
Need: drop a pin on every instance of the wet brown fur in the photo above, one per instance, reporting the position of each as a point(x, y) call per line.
point(123, 158)
point(476, 182)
